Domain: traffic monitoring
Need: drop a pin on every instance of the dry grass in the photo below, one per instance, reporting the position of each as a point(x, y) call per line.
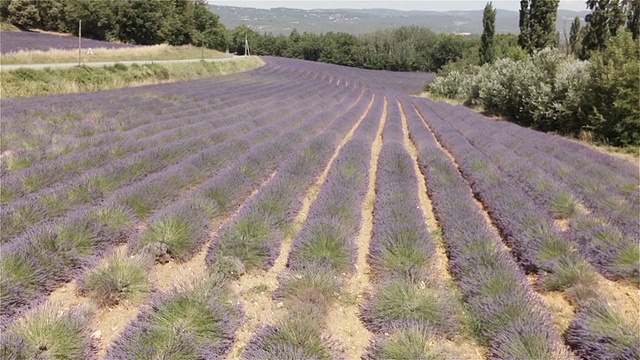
point(31, 82)
point(5, 26)
point(155, 52)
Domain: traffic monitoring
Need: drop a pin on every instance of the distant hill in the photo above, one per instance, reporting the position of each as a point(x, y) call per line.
point(359, 21)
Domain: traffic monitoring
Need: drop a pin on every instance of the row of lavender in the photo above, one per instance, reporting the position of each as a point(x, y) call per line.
point(79, 122)
point(612, 249)
point(606, 185)
point(31, 269)
point(13, 41)
point(400, 82)
point(597, 331)
point(510, 318)
point(85, 115)
point(321, 251)
point(97, 184)
point(196, 338)
point(410, 309)
point(119, 142)
point(203, 308)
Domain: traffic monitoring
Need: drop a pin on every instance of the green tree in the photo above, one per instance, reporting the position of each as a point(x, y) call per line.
point(208, 24)
point(524, 37)
point(538, 24)
point(23, 13)
point(542, 23)
point(633, 18)
point(575, 36)
point(612, 94)
point(140, 21)
point(487, 48)
point(606, 18)
point(99, 18)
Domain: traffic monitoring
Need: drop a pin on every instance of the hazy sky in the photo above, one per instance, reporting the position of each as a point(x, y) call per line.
point(433, 5)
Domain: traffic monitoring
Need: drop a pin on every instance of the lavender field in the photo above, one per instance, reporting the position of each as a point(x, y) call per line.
point(13, 41)
point(307, 211)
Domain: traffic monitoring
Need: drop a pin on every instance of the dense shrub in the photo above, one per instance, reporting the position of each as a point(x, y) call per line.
point(551, 91)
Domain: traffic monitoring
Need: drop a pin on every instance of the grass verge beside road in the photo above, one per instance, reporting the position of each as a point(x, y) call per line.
point(154, 52)
point(31, 82)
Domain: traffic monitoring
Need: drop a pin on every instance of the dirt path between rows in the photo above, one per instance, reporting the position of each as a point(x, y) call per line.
point(255, 289)
point(343, 319)
point(463, 346)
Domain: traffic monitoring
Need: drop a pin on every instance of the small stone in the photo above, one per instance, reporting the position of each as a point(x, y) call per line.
point(114, 328)
point(422, 285)
point(280, 304)
point(97, 335)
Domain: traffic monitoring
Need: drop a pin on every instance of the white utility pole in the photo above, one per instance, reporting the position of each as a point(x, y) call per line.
point(79, 42)
point(202, 46)
point(246, 46)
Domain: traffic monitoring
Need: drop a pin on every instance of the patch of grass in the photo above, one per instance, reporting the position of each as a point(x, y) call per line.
point(143, 201)
point(73, 242)
point(401, 255)
point(17, 162)
point(259, 289)
point(47, 334)
point(324, 244)
point(54, 205)
point(316, 285)
point(562, 206)
point(6, 194)
point(248, 240)
point(33, 182)
point(5, 26)
point(20, 219)
point(599, 332)
point(209, 207)
point(32, 82)
point(113, 219)
point(154, 52)
point(299, 336)
point(194, 322)
point(566, 272)
point(628, 188)
point(398, 301)
point(626, 263)
point(551, 248)
point(228, 266)
point(409, 343)
point(177, 232)
point(120, 278)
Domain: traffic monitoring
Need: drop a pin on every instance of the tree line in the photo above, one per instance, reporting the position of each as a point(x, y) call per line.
point(180, 22)
point(589, 87)
point(144, 22)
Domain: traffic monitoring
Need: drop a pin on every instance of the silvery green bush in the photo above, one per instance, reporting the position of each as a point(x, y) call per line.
point(538, 91)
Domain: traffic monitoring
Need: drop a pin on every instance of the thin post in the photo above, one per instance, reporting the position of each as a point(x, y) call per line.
point(202, 46)
point(79, 42)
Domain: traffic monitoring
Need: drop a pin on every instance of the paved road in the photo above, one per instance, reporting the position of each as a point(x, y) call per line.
point(59, 65)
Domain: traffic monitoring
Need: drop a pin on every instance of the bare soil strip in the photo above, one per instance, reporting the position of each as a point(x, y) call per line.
point(106, 323)
point(343, 319)
point(464, 346)
point(255, 289)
